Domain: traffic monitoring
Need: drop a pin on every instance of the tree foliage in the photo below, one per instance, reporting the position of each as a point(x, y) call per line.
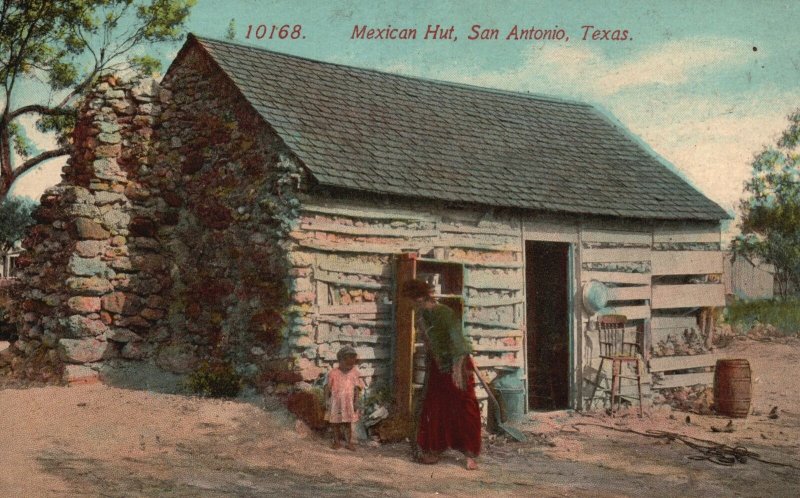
point(770, 221)
point(16, 214)
point(66, 45)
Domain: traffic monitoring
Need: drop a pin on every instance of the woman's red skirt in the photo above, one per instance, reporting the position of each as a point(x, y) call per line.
point(450, 417)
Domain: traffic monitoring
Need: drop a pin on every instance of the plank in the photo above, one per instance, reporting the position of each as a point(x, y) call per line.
point(688, 296)
point(615, 277)
point(359, 338)
point(471, 229)
point(634, 293)
point(616, 255)
point(496, 333)
point(490, 324)
point(487, 280)
point(355, 247)
point(683, 380)
point(488, 264)
point(333, 278)
point(616, 236)
point(664, 322)
point(487, 245)
point(550, 231)
point(630, 312)
point(352, 309)
point(367, 231)
point(686, 262)
point(360, 266)
point(340, 321)
point(494, 348)
point(684, 362)
point(366, 212)
point(686, 234)
point(492, 301)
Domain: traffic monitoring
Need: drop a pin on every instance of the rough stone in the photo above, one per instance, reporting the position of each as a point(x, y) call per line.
point(122, 335)
point(81, 326)
point(108, 169)
point(109, 138)
point(81, 350)
point(84, 304)
point(121, 302)
point(107, 127)
point(83, 210)
point(134, 322)
point(109, 198)
point(80, 374)
point(115, 219)
point(152, 314)
point(88, 229)
point(92, 286)
point(89, 267)
point(89, 248)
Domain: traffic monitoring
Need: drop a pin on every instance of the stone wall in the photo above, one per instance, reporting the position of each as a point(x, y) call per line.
point(231, 183)
point(163, 240)
point(93, 283)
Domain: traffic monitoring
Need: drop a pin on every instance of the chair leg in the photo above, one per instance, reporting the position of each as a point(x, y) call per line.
point(596, 382)
point(615, 372)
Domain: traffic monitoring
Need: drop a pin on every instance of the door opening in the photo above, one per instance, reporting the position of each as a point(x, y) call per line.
point(547, 289)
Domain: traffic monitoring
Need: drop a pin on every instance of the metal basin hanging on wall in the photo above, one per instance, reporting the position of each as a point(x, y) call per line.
point(594, 296)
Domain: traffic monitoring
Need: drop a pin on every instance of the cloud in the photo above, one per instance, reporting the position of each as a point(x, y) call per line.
point(672, 63)
point(711, 139)
point(584, 70)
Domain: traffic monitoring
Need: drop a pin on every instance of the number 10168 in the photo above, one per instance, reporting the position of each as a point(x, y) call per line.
point(270, 32)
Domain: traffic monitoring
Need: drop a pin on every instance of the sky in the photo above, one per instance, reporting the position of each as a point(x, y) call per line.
point(705, 84)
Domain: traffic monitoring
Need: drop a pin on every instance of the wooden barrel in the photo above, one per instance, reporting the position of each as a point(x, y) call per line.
point(732, 388)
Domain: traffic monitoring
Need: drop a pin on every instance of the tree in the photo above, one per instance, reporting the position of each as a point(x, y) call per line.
point(66, 45)
point(770, 222)
point(16, 214)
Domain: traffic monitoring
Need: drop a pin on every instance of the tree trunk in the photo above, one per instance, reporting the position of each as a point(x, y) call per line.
point(6, 173)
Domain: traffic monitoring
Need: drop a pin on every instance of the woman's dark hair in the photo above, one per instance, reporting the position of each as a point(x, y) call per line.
point(415, 289)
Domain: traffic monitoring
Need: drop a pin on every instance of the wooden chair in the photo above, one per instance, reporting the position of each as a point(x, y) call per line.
point(615, 348)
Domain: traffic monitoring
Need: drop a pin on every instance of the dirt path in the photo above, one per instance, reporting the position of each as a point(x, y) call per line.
point(104, 441)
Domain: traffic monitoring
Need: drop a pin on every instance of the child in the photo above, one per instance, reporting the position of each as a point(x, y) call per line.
point(342, 395)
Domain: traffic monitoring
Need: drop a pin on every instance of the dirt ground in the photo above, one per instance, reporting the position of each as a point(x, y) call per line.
point(98, 440)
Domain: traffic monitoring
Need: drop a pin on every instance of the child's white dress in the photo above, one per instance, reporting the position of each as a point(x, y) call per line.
point(342, 387)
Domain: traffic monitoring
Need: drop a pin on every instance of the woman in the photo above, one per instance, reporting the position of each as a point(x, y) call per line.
point(450, 417)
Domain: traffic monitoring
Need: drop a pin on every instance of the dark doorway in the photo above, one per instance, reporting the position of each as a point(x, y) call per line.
point(547, 289)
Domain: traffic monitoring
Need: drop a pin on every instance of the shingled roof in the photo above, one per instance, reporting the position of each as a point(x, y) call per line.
point(389, 134)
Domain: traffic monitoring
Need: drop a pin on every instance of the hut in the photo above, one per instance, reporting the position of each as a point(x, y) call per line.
point(287, 197)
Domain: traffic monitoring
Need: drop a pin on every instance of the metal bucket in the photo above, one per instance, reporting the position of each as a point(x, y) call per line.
point(511, 390)
point(732, 384)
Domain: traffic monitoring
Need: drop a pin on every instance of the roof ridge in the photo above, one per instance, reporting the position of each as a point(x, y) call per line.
point(528, 95)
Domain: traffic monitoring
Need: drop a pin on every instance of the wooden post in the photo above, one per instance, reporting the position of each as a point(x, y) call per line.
point(404, 344)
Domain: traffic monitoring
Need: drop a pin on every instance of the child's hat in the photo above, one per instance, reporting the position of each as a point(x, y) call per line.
point(346, 351)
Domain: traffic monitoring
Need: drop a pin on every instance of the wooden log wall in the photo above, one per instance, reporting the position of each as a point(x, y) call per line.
point(687, 283)
point(662, 278)
point(348, 251)
point(620, 258)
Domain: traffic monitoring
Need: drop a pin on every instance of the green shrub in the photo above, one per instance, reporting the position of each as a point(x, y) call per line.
point(783, 314)
point(216, 379)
